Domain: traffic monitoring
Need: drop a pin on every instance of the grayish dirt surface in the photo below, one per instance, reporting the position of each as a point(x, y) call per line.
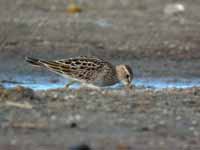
point(133, 32)
point(137, 32)
point(106, 119)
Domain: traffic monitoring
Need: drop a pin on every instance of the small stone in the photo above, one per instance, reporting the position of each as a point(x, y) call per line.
point(43, 94)
point(191, 128)
point(55, 95)
point(162, 122)
point(145, 129)
point(72, 121)
point(171, 9)
point(161, 143)
point(69, 97)
point(53, 8)
point(123, 147)
point(73, 125)
point(46, 42)
point(196, 133)
point(80, 147)
point(69, 119)
point(178, 118)
point(73, 8)
point(53, 117)
point(77, 117)
point(13, 142)
point(21, 91)
point(103, 23)
point(151, 126)
point(194, 122)
point(121, 120)
point(165, 111)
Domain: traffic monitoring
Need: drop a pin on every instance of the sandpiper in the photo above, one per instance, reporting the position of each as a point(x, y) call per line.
point(88, 70)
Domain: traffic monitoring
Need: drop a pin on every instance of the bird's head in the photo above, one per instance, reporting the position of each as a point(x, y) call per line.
point(124, 74)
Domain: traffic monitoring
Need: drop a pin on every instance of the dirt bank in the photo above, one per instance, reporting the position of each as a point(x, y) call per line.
point(57, 119)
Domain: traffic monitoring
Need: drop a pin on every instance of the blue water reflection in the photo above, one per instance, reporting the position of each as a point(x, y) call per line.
point(42, 83)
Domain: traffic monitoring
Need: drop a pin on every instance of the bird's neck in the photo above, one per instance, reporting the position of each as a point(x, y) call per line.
point(118, 72)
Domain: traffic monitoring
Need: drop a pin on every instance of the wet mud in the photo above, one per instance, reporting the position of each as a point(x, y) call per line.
point(105, 119)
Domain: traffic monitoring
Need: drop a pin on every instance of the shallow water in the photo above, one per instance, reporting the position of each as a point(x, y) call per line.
point(161, 83)
point(44, 83)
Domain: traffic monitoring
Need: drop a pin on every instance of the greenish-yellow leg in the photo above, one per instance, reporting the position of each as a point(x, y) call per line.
point(70, 83)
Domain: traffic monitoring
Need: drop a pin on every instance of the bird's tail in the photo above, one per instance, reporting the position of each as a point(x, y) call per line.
point(34, 61)
point(51, 65)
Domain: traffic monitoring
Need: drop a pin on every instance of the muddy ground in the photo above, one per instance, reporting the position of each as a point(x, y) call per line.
point(141, 33)
point(115, 119)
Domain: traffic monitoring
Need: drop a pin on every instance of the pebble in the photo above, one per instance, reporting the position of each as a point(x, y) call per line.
point(55, 95)
point(73, 125)
point(73, 119)
point(191, 128)
point(162, 122)
point(161, 143)
point(123, 147)
point(77, 117)
point(46, 43)
point(165, 112)
point(20, 92)
point(144, 128)
point(103, 23)
point(171, 9)
point(53, 117)
point(178, 118)
point(53, 8)
point(194, 122)
point(80, 147)
point(13, 141)
point(69, 97)
point(73, 8)
point(196, 133)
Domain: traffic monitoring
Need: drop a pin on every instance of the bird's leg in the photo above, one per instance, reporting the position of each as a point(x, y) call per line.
point(90, 86)
point(129, 87)
point(70, 83)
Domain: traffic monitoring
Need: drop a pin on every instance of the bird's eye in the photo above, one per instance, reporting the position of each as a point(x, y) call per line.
point(127, 76)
